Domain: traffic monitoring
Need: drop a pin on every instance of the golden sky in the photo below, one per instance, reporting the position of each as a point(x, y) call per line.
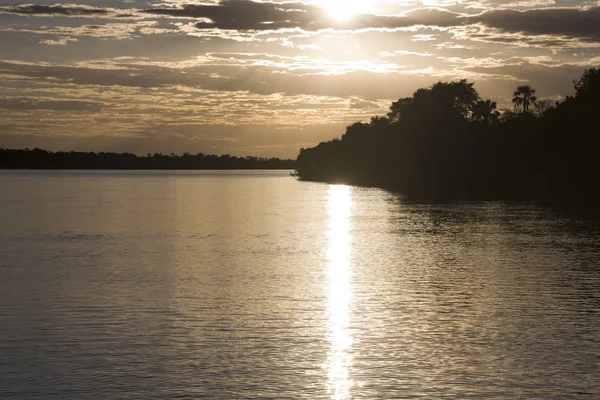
point(264, 77)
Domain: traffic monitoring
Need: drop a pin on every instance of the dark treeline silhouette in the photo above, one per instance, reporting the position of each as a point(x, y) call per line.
point(42, 159)
point(445, 142)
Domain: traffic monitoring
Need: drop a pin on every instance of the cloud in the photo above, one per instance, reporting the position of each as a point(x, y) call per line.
point(246, 15)
point(243, 15)
point(254, 16)
point(63, 41)
point(556, 42)
point(117, 31)
point(363, 104)
point(28, 104)
point(580, 23)
point(67, 10)
point(255, 72)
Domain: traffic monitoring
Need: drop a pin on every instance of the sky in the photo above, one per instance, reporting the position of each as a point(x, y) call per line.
point(264, 77)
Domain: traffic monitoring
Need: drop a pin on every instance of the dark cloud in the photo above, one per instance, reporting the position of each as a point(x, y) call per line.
point(29, 104)
point(69, 10)
point(246, 15)
point(430, 17)
point(249, 15)
point(579, 23)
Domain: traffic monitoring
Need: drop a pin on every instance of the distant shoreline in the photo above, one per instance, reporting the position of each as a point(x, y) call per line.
point(39, 159)
point(291, 170)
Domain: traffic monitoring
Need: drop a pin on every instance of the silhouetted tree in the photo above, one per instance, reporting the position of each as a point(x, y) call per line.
point(399, 108)
point(523, 98)
point(485, 111)
point(379, 123)
point(446, 142)
point(542, 106)
point(589, 83)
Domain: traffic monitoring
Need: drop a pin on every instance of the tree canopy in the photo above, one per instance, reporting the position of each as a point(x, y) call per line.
point(524, 98)
point(447, 142)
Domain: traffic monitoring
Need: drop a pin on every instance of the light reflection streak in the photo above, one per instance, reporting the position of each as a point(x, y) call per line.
point(339, 204)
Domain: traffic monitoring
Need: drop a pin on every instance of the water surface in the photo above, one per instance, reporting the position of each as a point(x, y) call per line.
point(222, 285)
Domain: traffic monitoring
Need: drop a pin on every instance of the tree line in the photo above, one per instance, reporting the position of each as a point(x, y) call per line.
point(446, 142)
point(42, 159)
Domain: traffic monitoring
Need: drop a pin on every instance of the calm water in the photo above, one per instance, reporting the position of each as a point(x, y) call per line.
point(226, 285)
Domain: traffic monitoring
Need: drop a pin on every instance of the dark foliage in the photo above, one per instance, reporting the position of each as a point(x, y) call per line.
point(445, 142)
point(42, 159)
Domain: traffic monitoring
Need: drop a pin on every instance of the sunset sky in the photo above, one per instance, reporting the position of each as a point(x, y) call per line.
point(263, 77)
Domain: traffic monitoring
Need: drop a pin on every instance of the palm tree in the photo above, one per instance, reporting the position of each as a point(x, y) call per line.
point(524, 97)
point(485, 111)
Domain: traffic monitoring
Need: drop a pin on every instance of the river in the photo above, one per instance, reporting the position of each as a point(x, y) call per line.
point(231, 285)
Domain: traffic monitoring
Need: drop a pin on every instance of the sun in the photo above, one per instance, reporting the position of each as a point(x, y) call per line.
point(343, 10)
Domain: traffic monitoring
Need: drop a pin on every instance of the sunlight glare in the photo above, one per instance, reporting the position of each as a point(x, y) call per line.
point(339, 204)
point(343, 10)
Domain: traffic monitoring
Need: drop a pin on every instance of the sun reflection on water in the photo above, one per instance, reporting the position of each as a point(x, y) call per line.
point(339, 204)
